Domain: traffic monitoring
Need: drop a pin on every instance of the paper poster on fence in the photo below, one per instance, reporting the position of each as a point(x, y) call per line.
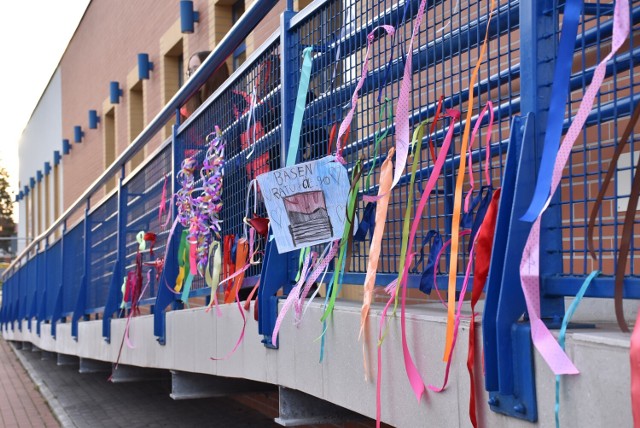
point(306, 202)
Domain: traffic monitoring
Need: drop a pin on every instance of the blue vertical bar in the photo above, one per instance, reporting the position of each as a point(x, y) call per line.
point(276, 267)
point(57, 308)
point(81, 302)
point(537, 63)
point(165, 297)
point(114, 296)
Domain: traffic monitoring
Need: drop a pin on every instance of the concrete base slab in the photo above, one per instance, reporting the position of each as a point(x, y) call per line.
point(124, 373)
point(298, 408)
point(186, 386)
point(94, 366)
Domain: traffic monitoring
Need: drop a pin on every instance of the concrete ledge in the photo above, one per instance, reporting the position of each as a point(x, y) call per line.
point(194, 336)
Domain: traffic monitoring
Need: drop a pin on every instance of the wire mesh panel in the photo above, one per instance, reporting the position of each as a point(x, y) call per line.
point(102, 252)
point(143, 195)
point(247, 111)
point(30, 288)
point(592, 152)
point(54, 281)
point(446, 50)
point(40, 285)
point(72, 267)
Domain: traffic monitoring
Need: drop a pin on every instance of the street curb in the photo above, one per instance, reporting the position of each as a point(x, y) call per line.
point(57, 409)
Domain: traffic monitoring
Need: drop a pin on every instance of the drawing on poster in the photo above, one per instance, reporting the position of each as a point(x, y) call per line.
point(306, 202)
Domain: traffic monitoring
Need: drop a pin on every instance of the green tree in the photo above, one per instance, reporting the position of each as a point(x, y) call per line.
point(7, 226)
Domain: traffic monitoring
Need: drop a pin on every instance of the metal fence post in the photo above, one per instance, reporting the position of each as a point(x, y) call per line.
point(56, 313)
point(275, 268)
point(81, 302)
point(114, 296)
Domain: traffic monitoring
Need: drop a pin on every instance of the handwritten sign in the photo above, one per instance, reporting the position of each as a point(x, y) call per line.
point(306, 202)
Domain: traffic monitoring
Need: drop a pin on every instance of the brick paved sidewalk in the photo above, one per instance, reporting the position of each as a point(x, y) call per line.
point(21, 404)
point(89, 400)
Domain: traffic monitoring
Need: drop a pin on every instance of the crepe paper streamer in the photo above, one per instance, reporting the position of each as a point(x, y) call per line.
point(322, 265)
point(487, 157)
point(163, 199)
point(295, 291)
point(239, 305)
point(212, 273)
point(484, 248)
point(387, 74)
point(627, 230)
point(412, 372)
point(123, 289)
point(432, 150)
point(455, 221)
point(251, 132)
point(386, 176)
point(125, 336)
point(379, 136)
point(563, 331)
point(402, 109)
point(634, 356)
point(543, 340)
point(346, 123)
point(350, 213)
point(557, 107)
point(465, 284)
point(241, 260)
point(298, 115)
point(182, 257)
point(391, 290)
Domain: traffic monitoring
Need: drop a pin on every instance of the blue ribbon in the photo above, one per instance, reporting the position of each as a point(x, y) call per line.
point(563, 330)
point(473, 222)
point(426, 280)
point(367, 224)
point(555, 118)
point(298, 115)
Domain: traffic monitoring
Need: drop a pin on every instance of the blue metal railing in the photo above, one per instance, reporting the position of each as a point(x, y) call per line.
point(82, 272)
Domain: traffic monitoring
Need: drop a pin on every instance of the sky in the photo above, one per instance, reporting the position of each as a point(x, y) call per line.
point(33, 37)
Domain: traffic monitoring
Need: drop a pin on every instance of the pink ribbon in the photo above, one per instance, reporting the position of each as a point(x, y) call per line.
point(542, 338)
point(402, 108)
point(354, 99)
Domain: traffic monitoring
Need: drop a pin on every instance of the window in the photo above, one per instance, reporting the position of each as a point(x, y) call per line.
point(240, 54)
point(173, 67)
point(38, 207)
point(110, 145)
point(136, 120)
point(47, 201)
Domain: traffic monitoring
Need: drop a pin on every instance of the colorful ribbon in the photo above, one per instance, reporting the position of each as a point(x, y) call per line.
point(386, 177)
point(346, 123)
point(543, 340)
point(457, 201)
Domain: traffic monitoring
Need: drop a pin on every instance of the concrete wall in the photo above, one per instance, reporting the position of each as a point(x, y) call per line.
point(40, 138)
point(193, 336)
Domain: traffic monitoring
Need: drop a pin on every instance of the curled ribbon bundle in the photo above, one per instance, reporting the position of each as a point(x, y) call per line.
point(201, 214)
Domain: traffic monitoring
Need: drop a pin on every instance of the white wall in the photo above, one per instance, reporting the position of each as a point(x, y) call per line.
point(41, 136)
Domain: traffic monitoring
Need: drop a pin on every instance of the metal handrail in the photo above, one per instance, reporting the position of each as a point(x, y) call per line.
point(247, 22)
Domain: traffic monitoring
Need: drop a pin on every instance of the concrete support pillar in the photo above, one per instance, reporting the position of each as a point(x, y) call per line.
point(94, 366)
point(185, 386)
point(298, 408)
point(67, 360)
point(125, 373)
